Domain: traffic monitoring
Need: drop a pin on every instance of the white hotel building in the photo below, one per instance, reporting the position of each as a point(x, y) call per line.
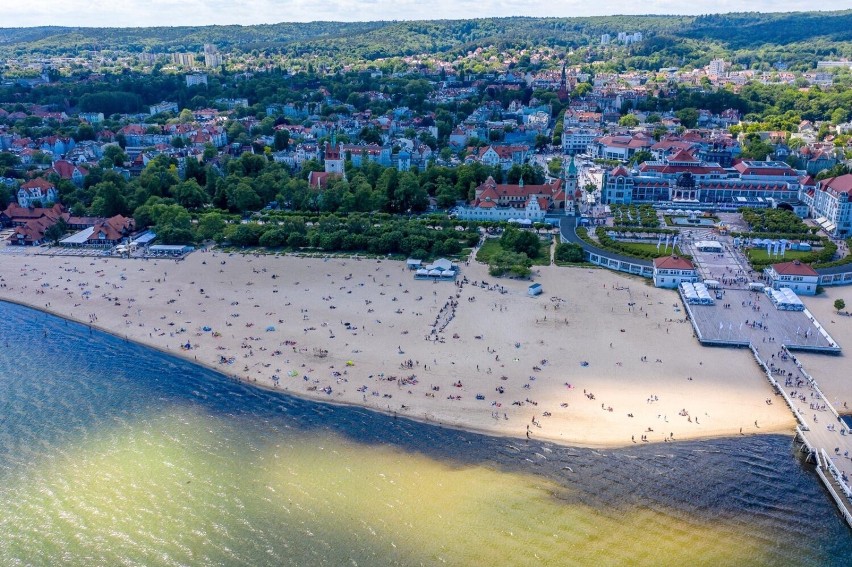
point(830, 205)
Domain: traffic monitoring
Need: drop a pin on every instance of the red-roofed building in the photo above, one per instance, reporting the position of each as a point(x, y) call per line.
point(32, 233)
point(16, 215)
point(320, 180)
point(497, 201)
point(799, 277)
point(504, 156)
point(67, 170)
point(670, 271)
point(111, 231)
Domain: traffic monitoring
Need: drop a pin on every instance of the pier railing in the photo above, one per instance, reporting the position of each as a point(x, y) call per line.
point(844, 504)
point(790, 403)
point(812, 382)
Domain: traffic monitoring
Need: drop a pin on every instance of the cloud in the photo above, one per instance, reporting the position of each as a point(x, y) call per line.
point(137, 13)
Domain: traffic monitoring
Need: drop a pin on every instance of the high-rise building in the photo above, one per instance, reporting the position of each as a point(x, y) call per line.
point(212, 60)
point(716, 68)
point(185, 59)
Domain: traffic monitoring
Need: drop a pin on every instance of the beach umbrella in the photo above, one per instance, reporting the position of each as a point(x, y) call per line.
point(206, 329)
point(270, 328)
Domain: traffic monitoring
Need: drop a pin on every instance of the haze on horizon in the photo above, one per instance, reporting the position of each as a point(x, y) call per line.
point(147, 13)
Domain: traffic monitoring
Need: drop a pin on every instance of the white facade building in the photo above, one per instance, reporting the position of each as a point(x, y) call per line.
point(799, 277)
point(670, 271)
point(831, 206)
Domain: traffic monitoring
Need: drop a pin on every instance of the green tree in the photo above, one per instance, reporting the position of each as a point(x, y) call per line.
point(688, 117)
point(641, 156)
point(243, 198)
point(839, 305)
point(211, 226)
point(113, 156)
point(5, 196)
point(628, 121)
point(173, 224)
point(282, 140)
point(8, 162)
point(190, 194)
point(520, 241)
point(57, 230)
point(109, 200)
point(568, 252)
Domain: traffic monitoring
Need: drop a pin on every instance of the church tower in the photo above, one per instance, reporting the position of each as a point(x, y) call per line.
point(333, 157)
point(570, 185)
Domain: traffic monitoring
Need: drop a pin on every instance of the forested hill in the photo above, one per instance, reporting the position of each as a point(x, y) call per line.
point(799, 37)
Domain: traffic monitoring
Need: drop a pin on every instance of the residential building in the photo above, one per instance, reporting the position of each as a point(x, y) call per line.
point(111, 231)
point(716, 68)
point(577, 140)
point(64, 169)
point(39, 192)
point(196, 79)
point(163, 107)
point(504, 156)
point(185, 59)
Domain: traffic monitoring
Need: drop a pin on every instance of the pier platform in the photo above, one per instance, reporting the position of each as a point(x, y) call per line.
point(734, 320)
point(742, 318)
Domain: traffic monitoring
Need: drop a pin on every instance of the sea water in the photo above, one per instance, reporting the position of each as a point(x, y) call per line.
point(115, 454)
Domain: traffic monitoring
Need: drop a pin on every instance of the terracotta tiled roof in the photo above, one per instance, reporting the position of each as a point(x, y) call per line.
point(794, 268)
point(673, 263)
point(38, 183)
point(840, 184)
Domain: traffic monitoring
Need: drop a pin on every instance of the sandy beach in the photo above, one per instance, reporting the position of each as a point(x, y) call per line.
point(599, 359)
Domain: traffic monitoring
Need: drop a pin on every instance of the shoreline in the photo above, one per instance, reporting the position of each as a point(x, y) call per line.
point(525, 334)
point(781, 430)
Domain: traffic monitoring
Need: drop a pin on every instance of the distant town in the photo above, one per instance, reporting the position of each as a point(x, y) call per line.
point(522, 136)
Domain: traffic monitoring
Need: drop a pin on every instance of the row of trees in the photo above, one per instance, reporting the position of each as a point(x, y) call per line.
point(364, 233)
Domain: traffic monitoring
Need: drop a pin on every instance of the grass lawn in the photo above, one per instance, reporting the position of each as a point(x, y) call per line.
point(759, 255)
point(492, 245)
point(642, 248)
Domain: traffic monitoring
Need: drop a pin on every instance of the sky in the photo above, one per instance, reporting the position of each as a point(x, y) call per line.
point(140, 13)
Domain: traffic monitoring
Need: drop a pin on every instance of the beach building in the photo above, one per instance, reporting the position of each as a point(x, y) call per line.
point(795, 275)
point(441, 269)
point(173, 250)
point(534, 289)
point(671, 271)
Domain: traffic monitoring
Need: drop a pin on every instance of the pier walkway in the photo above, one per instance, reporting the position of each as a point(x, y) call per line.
point(749, 319)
